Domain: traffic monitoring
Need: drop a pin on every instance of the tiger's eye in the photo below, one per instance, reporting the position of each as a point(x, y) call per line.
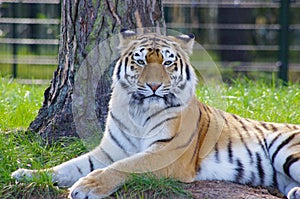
point(141, 62)
point(167, 63)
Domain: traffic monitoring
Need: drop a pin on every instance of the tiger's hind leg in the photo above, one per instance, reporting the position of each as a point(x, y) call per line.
point(284, 151)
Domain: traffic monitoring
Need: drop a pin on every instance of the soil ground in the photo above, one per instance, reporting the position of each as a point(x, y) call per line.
point(214, 190)
point(228, 190)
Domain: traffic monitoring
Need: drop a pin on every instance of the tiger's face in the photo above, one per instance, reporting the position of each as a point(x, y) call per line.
point(155, 72)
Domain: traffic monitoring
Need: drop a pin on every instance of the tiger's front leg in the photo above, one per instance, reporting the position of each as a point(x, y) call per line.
point(162, 159)
point(103, 182)
point(67, 173)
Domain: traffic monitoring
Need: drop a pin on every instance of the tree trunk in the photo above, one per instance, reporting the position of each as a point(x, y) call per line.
point(84, 24)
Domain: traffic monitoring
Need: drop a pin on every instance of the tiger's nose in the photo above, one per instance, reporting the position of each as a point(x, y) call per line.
point(154, 86)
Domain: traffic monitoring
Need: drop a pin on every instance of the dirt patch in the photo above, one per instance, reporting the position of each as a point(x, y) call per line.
point(228, 190)
point(209, 190)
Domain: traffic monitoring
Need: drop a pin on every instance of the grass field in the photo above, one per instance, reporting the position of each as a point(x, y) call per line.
point(20, 103)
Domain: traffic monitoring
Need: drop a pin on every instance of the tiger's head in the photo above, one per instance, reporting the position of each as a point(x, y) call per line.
point(154, 71)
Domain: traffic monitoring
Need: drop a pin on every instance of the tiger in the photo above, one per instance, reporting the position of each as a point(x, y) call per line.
point(156, 124)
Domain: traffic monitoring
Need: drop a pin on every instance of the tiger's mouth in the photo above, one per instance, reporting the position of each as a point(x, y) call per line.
point(154, 97)
point(168, 99)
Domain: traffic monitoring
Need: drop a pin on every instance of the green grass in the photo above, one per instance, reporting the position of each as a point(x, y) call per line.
point(19, 149)
point(265, 102)
point(150, 186)
point(257, 100)
point(19, 104)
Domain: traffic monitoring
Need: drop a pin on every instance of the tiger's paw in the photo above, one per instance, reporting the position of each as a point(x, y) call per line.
point(294, 193)
point(91, 188)
point(22, 175)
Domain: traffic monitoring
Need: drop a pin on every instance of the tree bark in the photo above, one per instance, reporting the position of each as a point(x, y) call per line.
point(84, 24)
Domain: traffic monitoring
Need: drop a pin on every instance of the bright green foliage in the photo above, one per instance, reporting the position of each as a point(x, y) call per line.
point(258, 100)
point(150, 186)
point(19, 104)
point(268, 103)
point(20, 149)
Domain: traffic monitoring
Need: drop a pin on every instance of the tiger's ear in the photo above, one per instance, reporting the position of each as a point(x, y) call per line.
point(186, 42)
point(125, 37)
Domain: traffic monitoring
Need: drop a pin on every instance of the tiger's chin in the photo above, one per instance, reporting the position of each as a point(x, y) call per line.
point(142, 108)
